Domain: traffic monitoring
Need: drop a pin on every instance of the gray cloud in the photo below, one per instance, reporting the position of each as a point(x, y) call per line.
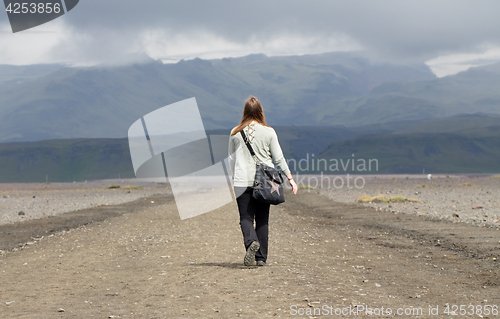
point(397, 29)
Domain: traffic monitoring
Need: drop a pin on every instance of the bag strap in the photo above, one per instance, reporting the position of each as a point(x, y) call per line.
point(245, 139)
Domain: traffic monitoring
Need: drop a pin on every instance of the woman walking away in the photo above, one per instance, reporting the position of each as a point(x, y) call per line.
point(264, 142)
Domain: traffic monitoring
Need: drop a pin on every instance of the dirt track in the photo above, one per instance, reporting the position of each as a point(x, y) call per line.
point(150, 264)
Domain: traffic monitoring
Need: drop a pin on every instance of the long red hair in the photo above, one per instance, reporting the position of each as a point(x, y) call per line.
point(252, 112)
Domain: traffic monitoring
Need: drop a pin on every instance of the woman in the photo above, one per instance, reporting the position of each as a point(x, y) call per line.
point(265, 144)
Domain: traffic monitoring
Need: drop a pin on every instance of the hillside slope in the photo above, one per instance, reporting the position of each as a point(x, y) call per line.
point(469, 151)
point(434, 146)
point(104, 101)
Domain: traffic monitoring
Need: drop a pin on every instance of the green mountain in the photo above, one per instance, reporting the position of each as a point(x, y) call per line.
point(65, 160)
point(471, 91)
point(463, 123)
point(329, 105)
point(458, 144)
point(335, 89)
point(411, 153)
point(104, 101)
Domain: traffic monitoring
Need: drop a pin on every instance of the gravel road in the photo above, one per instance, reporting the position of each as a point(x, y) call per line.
point(324, 256)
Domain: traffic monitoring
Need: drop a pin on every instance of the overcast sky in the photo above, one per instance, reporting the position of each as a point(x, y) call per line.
point(450, 35)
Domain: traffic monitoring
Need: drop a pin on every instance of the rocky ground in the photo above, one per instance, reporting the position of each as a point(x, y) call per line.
point(29, 201)
point(469, 199)
point(325, 257)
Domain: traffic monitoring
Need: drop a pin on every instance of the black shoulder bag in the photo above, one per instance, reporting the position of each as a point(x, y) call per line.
point(268, 184)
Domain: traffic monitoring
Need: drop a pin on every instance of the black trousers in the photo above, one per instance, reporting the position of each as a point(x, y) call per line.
point(251, 209)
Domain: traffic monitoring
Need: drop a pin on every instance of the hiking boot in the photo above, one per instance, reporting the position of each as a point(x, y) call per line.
point(250, 255)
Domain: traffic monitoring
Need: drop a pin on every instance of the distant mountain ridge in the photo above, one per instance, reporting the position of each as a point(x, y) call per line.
point(331, 89)
point(104, 101)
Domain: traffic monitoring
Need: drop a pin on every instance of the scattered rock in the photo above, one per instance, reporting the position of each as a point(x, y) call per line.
point(21, 213)
point(456, 215)
point(60, 310)
point(477, 207)
point(9, 302)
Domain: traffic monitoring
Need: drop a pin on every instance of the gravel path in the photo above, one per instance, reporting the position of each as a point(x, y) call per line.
point(456, 198)
point(32, 201)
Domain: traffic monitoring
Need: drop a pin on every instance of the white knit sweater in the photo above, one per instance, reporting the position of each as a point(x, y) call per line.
point(265, 144)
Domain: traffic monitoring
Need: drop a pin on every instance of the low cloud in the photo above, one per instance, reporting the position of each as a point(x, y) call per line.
point(451, 64)
point(171, 47)
point(394, 30)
